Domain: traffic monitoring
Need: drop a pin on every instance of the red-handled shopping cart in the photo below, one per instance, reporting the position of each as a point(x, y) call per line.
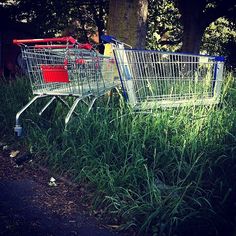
point(60, 67)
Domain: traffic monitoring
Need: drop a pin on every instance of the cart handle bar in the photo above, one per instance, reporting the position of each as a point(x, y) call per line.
point(46, 40)
point(112, 39)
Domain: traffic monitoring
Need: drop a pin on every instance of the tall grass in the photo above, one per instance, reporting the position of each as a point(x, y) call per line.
point(13, 96)
point(161, 173)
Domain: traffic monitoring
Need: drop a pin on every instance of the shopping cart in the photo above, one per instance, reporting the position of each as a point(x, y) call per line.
point(59, 67)
point(154, 79)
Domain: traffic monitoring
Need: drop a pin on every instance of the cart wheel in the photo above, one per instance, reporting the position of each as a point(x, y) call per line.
point(18, 130)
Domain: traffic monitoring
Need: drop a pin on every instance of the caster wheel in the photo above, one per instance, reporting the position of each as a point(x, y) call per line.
point(18, 130)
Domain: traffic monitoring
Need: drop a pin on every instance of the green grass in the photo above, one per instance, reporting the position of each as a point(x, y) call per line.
point(159, 173)
point(13, 96)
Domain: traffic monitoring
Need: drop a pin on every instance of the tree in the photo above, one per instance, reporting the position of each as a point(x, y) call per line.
point(172, 24)
point(196, 16)
point(127, 21)
point(79, 18)
point(220, 39)
point(164, 28)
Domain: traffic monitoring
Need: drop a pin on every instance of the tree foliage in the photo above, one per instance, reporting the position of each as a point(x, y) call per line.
point(49, 18)
point(197, 15)
point(220, 39)
point(200, 25)
point(164, 28)
point(206, 25)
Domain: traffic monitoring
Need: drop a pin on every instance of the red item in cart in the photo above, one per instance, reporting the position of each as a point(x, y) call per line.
point(55, 73)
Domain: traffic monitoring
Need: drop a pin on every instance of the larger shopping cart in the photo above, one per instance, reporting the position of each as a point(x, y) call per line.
point(59, 67)
point(154, 79)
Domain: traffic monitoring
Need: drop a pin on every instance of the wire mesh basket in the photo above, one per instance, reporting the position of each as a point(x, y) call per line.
point(68, 71)
point(153, 79)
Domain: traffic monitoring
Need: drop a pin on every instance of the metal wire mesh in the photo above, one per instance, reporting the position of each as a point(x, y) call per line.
point(69, 71)
point(153, 79)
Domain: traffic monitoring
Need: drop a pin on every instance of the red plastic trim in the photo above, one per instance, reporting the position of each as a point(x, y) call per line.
point(86, 46)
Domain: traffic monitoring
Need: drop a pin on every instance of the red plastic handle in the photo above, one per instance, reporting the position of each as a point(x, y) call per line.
point(85, 46)
point(46, 40)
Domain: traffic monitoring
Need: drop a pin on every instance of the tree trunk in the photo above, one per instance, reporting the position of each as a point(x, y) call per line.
point(193, 23)
point(127, 21)
point(192, 36)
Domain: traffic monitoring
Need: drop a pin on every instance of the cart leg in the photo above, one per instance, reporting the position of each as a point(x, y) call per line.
point(18, 128)
point(65, 103)
point(91, 104)
point(85, 102)
point(77, 100)
point(47, 105)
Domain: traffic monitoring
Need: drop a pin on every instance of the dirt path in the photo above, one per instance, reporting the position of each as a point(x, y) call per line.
point(29, 206)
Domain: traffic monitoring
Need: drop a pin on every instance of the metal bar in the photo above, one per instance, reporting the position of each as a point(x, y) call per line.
point(86, 46)
point(174, 53)
point(18, 128)
point(69, 114)
point(218, 76)
point(85, 102)
point(65, 103)
point(47, 105)
point(54, 46)
point(26, 106)
point(118, 63)
point(91, 104)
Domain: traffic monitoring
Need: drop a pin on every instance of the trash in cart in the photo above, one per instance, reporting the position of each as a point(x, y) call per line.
point(60, 67)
